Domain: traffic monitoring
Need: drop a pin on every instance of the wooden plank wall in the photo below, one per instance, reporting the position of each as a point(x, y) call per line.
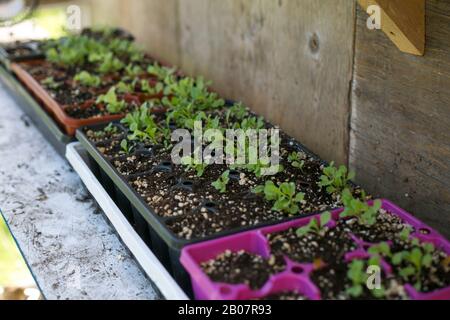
point(291, 56)
point(293, 61)
point(400, 128)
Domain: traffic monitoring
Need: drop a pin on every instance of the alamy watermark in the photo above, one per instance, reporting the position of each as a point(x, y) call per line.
point(374, 277)
point(74, 22)
point(374, 20)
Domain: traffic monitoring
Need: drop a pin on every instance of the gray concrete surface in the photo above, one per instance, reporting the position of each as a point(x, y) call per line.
point(71, 249)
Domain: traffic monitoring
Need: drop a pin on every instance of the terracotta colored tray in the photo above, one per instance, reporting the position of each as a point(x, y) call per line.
point(69, 124)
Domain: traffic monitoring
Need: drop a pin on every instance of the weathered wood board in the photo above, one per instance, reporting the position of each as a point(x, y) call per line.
point(400, 126)
point(290, 61)
point(403, 21)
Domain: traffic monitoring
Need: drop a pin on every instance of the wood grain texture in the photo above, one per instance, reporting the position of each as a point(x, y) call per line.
point(155, 23)
point(104, 12)
point(290, 61)
point(400, 126)
point(403, 21)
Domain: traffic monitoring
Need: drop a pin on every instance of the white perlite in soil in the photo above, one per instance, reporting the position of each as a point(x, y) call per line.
point(69, 245)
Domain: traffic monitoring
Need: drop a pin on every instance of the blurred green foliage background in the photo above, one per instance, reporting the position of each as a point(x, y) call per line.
point(14, 273)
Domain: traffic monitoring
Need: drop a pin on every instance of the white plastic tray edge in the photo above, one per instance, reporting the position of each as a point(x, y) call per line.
point(145, 257)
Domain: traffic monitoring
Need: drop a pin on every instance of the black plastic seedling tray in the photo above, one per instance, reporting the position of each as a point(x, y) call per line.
point(45, 124)
point(151, 227)
point(6, 57)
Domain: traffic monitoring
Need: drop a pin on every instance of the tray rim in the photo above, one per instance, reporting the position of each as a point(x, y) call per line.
point(144, 256)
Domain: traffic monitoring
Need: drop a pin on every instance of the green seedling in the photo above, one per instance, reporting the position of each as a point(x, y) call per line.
point(75, 51)
point(237, 112)
point(366, 215)
point(133, 71)
point(113, 104)
point(123, 87)
point(221, 183)
point(87, 79)
point(159, 72)
point(250, 123)
point(316, 226)
point(260, 167)
point(110, 128)
point(110, 64)
point(191, 164)
point(284, 196)
point(122, 47)
point(357, 274)
point(142, 125)
point(51, 83)
point(186, 117)
point(295, 160)
point(381, 250)
point(334, 179)
point(126, 147)
point(189, 91)
point(152, 90)
point(406, 233)
point(414, 262)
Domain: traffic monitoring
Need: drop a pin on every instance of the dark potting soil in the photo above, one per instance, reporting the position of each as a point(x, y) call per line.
point(92, 111)
point(199, 210)
point(19, 52)
point(67, 97)
point(105, 134)
point(387, 227)
point(135, 164)
point(436, 277)
point(330, 246)
point(242, 267)
point(215, 218)
point(111, 149)
point(333, 283)
point(95, 111)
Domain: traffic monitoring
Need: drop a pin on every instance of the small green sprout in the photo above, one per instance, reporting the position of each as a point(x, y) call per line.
point(87, 79)
point(366, 215)
point(133, 70)
point(258, 168)
point(295, 160)
point(192, 164)
point(113, 104)
point(142, 125)
point(334, 179)
point(237, 111)
point(159, 72)
point(126, 147)
point(250, 123)
point(315, 226)
point(284, 196)
point(357, 274)
point(221, 183)
point(414, 262)
point(189, 91)
point(110, 64)
point(406, 233)
point(110, 128)
point(381, 249)
point(51, 83)
point(152, 90)
point(123, 87)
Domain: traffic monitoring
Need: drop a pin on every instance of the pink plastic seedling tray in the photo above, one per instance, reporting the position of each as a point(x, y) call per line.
point(296, 276)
